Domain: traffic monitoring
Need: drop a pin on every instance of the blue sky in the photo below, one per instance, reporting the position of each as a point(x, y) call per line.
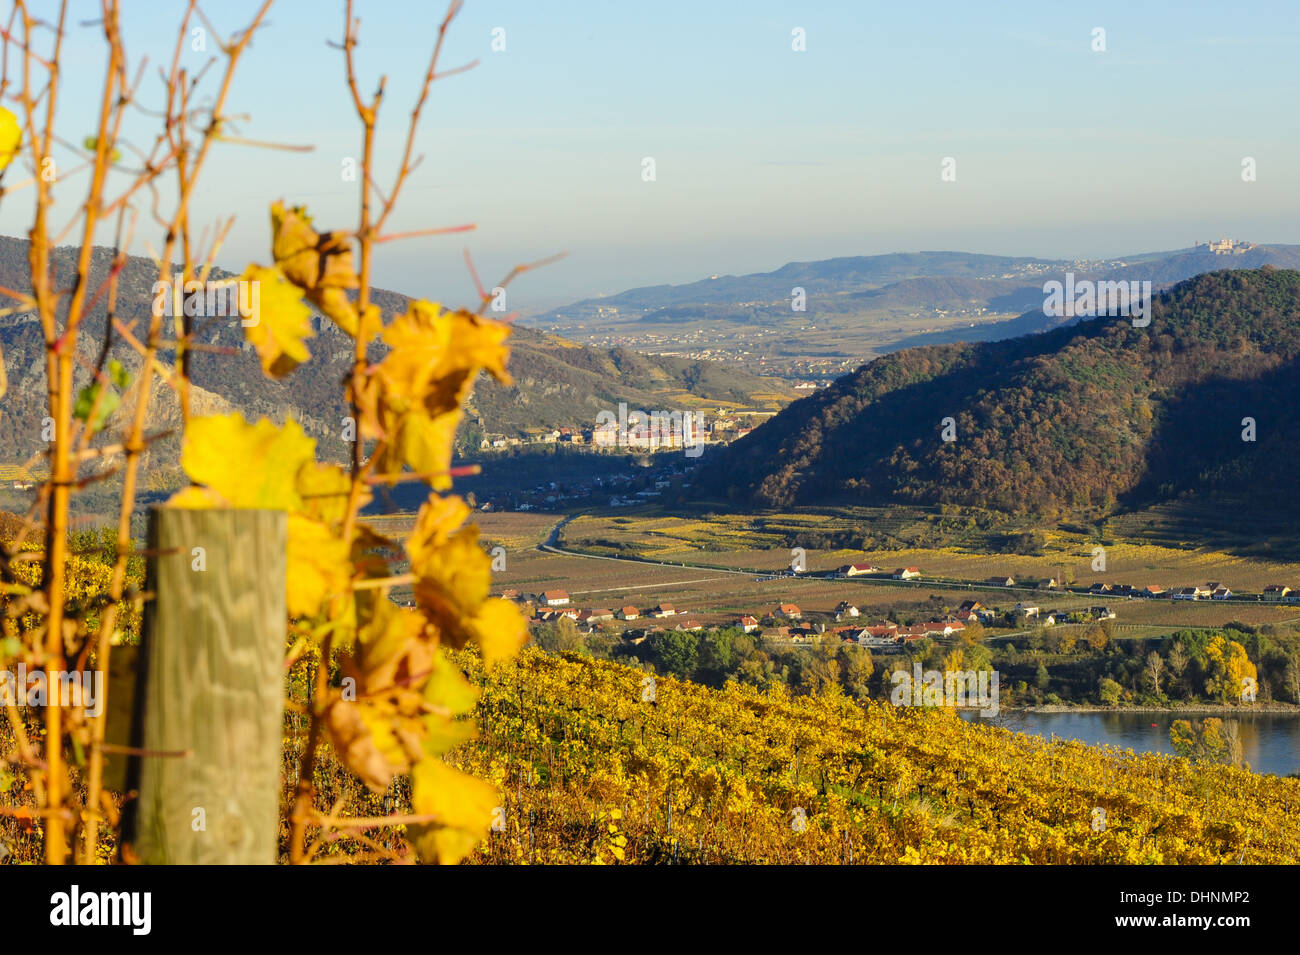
point(763, 155)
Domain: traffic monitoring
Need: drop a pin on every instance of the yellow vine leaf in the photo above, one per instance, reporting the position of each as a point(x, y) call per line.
point(319, 264)
point(281, 322)
point(499, 629)
point(370, 324)
point(447, 695)
point(447, 690)
point(453, 577)
point(462, 804)
point(363, 736)
point(412, 401)
point(196, 499)
point(11, 137)
point(436, 354)
point(259, 466)
point(319, 565)
point(294, 244)
point(443, 734)
point(382, 726)
point(390, 649)
point(247, 465)
point(324, 490)
point(452, 574)
point(424, 445)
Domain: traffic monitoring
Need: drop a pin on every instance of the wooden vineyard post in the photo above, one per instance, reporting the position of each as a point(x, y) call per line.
point(210, 701)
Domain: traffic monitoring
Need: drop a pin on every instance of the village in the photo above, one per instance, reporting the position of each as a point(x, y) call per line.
point(642, 434)
point(786, 622)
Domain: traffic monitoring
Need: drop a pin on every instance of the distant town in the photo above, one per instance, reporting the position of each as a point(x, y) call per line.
point(643, 435)
point(787, 622)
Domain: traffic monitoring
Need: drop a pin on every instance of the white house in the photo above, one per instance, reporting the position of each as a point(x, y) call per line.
point(854, 570)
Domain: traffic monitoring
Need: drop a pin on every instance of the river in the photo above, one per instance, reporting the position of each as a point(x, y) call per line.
point(1270, 742)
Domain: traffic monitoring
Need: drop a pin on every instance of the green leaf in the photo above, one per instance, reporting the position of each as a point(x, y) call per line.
point(121, 377)
point(86, 401)
point(447, 689)
point(92, 144)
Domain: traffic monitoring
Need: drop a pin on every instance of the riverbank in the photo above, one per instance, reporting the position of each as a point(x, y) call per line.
point(1192, 709)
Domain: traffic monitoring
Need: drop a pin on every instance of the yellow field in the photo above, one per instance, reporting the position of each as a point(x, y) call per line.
point(734, 541)
point(512, 530)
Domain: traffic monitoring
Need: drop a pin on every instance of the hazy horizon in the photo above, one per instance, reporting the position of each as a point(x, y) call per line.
point(545, 303)
point(763, 154)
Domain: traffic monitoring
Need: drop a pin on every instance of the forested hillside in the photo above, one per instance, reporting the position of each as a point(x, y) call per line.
point(1077, 419)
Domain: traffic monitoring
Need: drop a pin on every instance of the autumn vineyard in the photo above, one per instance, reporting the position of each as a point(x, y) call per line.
point(591, 771)
point(416, 716)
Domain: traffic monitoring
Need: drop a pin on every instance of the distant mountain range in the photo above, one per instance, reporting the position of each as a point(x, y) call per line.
point(862, 289)
point(1080, 419)
point(824, 277)
point(557, 383)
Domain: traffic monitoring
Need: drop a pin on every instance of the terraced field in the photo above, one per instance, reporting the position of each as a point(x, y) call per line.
point(765, 541)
